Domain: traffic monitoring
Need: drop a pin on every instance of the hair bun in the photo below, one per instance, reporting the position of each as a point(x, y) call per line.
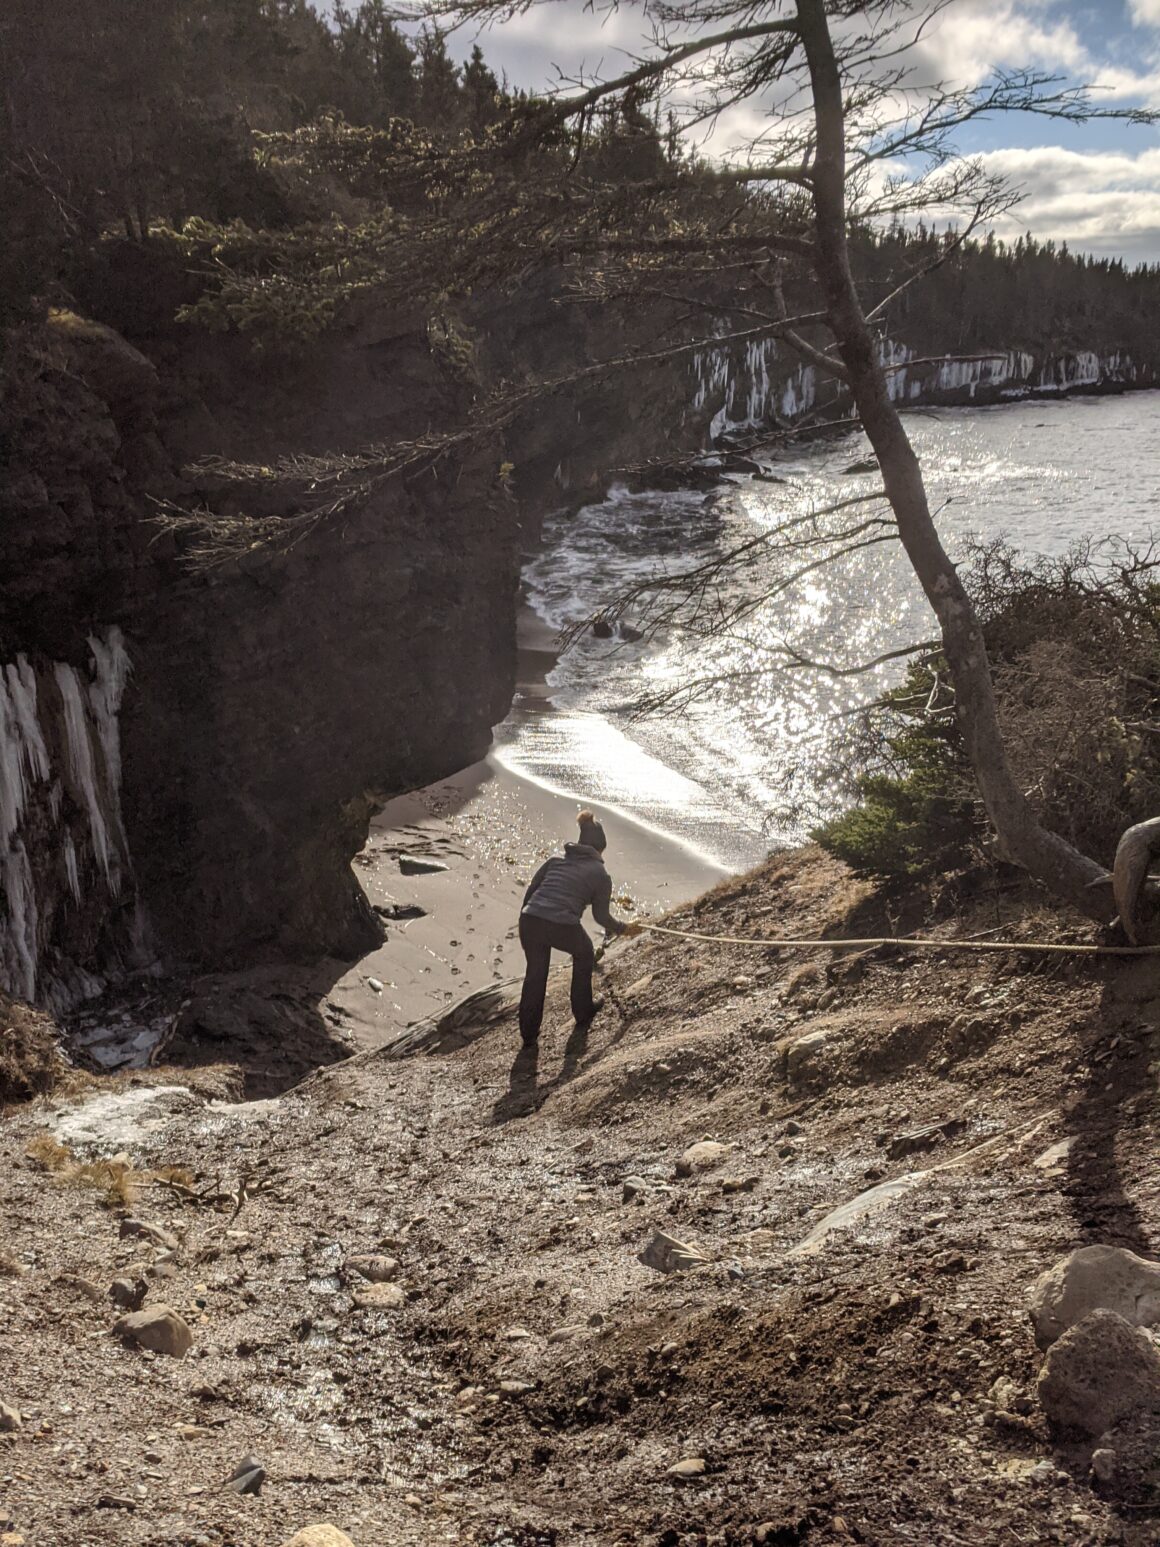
point(585, 816)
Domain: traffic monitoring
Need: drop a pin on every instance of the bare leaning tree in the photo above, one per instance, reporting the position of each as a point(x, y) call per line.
point(851, 135)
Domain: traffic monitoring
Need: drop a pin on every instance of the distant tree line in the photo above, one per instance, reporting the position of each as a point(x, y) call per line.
point(984, 293)
point(131, 118)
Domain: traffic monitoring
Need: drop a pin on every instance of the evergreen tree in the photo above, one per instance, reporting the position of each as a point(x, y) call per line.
point(438, 103)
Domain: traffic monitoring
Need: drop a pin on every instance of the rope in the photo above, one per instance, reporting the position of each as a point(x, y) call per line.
point(912, 943)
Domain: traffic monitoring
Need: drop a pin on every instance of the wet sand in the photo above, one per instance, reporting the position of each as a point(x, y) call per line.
point(491, 829)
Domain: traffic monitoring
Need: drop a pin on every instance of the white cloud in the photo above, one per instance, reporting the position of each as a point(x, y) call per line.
point(1145, 13)
point(1106, 203)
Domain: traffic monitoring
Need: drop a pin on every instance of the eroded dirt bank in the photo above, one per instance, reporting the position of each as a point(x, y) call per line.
point(535, 1382)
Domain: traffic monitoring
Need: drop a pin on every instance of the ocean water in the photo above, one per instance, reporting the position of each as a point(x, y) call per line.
point(737, 764)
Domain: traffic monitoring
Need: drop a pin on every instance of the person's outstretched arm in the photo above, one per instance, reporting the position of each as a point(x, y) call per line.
point(601, 911)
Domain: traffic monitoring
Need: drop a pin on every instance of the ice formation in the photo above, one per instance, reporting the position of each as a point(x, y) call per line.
point(59, 734)
point(744, 383)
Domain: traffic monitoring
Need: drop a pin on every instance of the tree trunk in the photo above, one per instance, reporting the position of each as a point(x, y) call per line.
point(1047, 857)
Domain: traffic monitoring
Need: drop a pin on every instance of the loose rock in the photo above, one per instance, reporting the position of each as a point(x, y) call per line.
point(82, 1286)
point(10, 1420)
point(319, 1536)
point(128, 1293)
point(377, 1270)
point(807, 1057)
point(1108, 1278)
point(154, 1233)
point(247, 1477)
point(668, 1255)
point(633, 1187)
point(411, 865)
point(691, 1466)
point(1099, 1371)
point(160, 1329)
point(702, 1157)
point(1103, 1464)
point(380, 1297)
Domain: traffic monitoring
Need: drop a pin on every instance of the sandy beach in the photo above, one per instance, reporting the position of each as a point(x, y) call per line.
point(490, 829)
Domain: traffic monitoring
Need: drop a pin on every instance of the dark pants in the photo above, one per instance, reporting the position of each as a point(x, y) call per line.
point(539, 938)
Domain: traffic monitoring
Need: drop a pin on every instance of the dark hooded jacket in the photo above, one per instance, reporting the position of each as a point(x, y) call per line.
point(563, 887)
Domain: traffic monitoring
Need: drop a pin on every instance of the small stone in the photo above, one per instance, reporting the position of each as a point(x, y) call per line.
point(564, 1334)
point(792, 1129)
point(82, 1286)
point(247, 1477)
point(159, 1329)
point(927, 1138)
point(380, 1297)
point(411, 865)
point(1044, 1472)
point(1099, 1371)
point(10, 1420)
point(516, 1388)
point(154, 1233)
point(377, 1270)
point(702, 1157)
point(319, 1536)
point(515, 1334)
point(375, 984)
point(1103, 1464)
point(734, 1184)
point(668, 1255)
point(634, 990)
point(806, 1058)
point(1055, 1158)
point(691, 1466)
point(1108, 1278)
point(633, 1187)
point(128, 1293)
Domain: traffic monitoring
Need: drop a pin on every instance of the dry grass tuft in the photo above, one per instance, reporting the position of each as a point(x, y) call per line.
point(116, 1179)
point(179, 1176)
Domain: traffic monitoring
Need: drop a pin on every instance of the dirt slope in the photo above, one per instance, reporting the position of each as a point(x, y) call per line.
point(538, 1381)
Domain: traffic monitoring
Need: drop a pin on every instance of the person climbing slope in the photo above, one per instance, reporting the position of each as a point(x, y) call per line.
point(553, 906)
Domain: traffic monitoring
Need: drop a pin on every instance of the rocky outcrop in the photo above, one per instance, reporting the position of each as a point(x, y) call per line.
point(1106, 1278)
point(209, 743)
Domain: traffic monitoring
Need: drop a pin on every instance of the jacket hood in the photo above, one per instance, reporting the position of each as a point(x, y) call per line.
point(583, 851)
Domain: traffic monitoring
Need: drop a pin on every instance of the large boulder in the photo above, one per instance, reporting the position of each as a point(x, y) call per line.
point(1098, 1372)
point(1107, 1278)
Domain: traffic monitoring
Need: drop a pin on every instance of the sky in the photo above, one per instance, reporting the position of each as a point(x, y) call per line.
point(1095, 186)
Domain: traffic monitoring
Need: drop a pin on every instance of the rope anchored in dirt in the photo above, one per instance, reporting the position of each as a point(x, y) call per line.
point(908, 942)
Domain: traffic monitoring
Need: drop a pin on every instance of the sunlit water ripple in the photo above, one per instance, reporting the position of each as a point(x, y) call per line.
point(739, 769)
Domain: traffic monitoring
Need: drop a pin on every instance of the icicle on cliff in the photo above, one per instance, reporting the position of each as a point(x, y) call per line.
point(62, 839)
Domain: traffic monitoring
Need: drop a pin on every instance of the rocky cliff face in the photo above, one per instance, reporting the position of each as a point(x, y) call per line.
point(188, 759)
point(764, 386)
